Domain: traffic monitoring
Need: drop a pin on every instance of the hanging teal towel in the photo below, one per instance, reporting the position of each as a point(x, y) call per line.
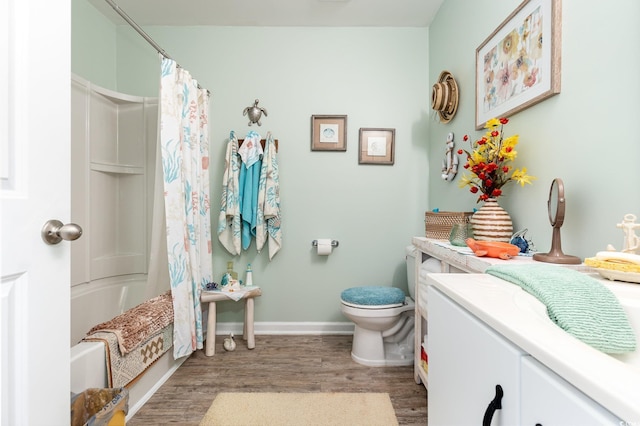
point(577, 303)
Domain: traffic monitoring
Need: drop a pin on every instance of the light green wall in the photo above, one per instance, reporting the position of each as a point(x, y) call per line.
point(376, 76)
point(587, 135)
point(382, 78)
point(93, 45)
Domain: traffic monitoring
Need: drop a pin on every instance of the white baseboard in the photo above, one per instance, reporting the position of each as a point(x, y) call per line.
point(277, 328)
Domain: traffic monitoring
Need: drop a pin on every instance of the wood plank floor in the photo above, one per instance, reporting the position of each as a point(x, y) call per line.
point(279, 364)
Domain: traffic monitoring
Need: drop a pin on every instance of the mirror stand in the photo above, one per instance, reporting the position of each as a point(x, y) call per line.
point(556, 255)
point(556, 217)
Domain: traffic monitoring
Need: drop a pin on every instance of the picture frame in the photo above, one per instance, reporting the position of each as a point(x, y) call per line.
point(518, 65)
point(328, 133)
point(376, 146)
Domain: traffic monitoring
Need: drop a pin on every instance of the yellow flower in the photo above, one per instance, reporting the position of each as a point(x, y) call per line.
point(511, 140)
point(464, 181)
point(494, 122)
point(477, 157)
point(521, 176)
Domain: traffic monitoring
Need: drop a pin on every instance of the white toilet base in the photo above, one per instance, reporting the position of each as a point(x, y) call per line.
point(383, 363)
point(370, 348)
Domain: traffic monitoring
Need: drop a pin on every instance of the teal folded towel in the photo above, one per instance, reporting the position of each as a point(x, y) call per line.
point(577, 303)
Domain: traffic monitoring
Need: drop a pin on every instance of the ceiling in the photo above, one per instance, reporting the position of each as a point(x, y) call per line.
point(281, 13)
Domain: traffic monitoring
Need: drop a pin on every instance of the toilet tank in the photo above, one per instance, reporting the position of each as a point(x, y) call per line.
point(410, 255)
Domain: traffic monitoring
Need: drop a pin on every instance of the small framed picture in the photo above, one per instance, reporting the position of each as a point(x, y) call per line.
point(377, 146)
point(328, 133)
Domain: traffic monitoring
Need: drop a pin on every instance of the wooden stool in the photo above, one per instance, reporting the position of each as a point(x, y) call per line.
point(247, 331)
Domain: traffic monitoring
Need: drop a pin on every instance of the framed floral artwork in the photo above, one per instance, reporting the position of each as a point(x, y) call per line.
point(518, 65)
point(377, 146)
point(328, 133)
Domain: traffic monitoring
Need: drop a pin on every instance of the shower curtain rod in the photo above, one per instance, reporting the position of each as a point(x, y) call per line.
point(140, 31)
point(137, 27)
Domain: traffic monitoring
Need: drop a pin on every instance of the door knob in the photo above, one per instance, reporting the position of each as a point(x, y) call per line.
point(55, 231)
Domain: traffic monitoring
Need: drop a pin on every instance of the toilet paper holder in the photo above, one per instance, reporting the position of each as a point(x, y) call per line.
point(334, 243)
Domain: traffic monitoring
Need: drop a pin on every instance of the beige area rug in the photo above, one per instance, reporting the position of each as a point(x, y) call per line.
point(300, 409)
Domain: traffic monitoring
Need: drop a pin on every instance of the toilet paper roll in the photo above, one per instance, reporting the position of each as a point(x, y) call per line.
point(324, 247)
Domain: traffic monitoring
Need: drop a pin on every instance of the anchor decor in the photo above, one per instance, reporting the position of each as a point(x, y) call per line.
point(450, 162)
point(254, 113)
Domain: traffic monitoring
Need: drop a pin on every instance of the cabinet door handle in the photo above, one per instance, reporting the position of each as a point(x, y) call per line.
point(495, 404)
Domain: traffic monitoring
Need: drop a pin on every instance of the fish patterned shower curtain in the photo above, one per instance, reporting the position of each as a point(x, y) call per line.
point(184, 139)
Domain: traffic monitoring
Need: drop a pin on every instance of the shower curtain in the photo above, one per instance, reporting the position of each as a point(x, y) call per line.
point(184, 111)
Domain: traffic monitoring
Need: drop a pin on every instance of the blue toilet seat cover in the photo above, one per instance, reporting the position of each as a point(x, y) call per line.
point(373, 295)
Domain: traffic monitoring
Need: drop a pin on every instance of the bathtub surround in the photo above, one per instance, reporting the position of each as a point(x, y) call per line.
point(184, 136)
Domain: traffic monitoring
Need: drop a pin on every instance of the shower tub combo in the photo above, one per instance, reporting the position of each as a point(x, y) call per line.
point(95, 303)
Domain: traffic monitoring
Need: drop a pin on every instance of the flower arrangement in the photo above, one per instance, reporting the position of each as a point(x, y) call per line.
point(489, 162)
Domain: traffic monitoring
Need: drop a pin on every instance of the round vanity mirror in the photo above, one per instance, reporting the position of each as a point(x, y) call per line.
point(556, 205)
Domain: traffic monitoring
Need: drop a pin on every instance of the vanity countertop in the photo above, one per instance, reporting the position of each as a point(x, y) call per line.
point(464, 259)
point(522, 319)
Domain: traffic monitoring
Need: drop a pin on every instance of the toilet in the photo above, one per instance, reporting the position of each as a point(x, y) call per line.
point(384, 321)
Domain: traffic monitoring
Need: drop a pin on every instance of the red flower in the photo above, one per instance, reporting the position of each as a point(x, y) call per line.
point(496, 192)
point(488, 183)
point(473, 189)
point(465, 138)
point(505, 169)
point(495, 133)
point(504, 120)
point(509, 149)
point(491, 167)
point(460, 151)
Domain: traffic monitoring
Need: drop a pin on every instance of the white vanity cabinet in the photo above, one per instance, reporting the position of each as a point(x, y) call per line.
point(441, 257)
point(467, 360)
point(548, 399)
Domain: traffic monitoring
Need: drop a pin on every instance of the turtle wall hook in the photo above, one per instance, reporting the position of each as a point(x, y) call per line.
point(255, 113)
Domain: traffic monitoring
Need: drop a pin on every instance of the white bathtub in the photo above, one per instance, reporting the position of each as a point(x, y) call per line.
point(97, 302)
point(101, 300)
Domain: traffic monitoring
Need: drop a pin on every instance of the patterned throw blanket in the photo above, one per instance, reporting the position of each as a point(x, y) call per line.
point(125, 369)
point(138, 324)
point(135, 339)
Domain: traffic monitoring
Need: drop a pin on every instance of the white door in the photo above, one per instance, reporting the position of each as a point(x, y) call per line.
point(34, 173)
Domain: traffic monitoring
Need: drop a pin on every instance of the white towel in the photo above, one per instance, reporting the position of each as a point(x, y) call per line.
point(251, 151)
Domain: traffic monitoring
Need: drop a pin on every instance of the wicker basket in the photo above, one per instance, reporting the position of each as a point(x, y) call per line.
point(438, 225)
